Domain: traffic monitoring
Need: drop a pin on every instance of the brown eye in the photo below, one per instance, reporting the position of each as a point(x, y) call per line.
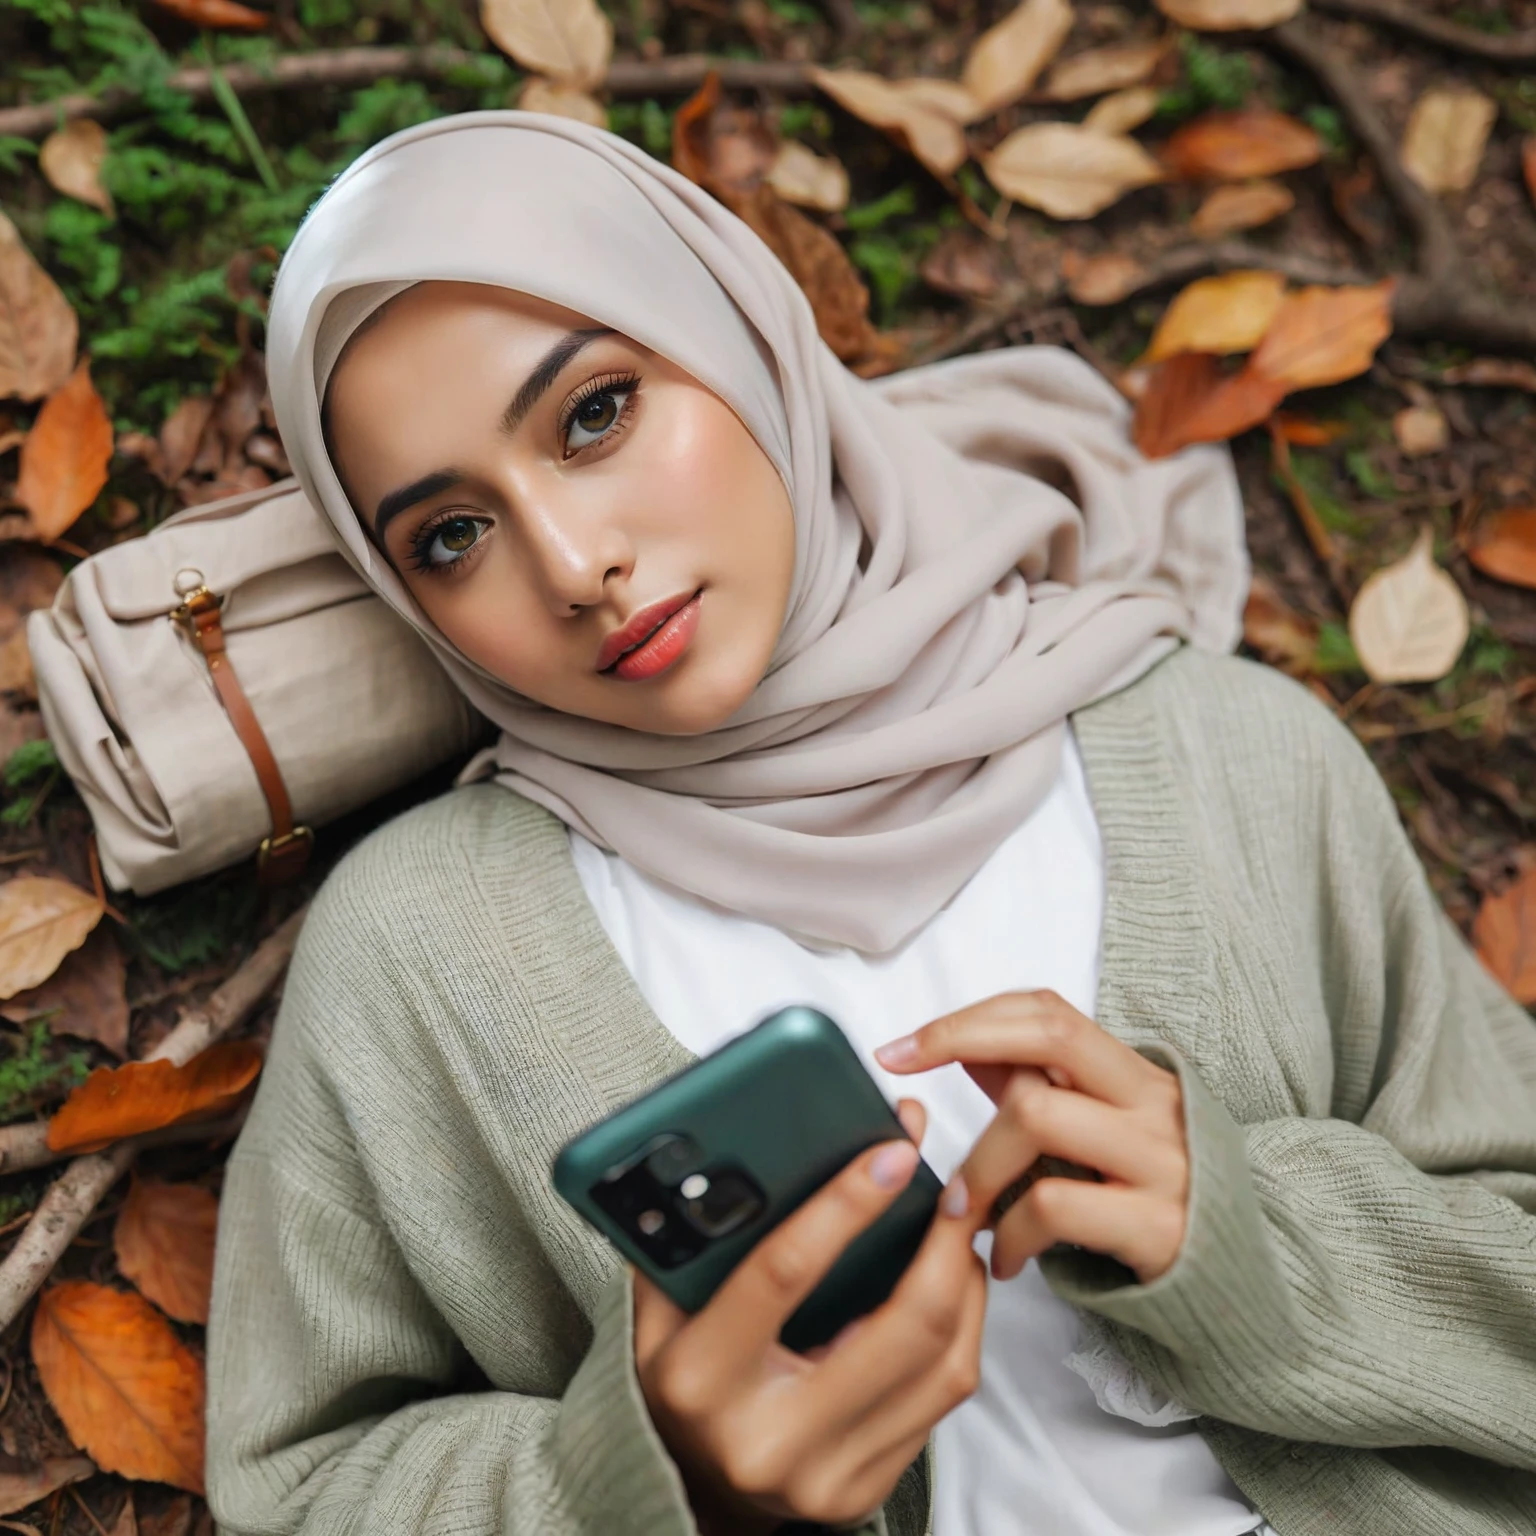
point(441, 545)
point(457, 534)
point(595, 416)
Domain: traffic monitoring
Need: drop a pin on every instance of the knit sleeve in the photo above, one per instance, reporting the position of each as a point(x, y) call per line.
point(1365, 1279)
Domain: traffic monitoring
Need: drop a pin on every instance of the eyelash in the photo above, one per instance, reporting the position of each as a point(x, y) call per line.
point(625, 384)
point(419, 556)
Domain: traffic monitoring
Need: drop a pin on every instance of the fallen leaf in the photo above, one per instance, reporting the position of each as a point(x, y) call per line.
point(139, 1096)
point(726, 151)
point(1006, 60)
point(1504, 936)
point(1188, 399)
point(174, 1520)
point(16, 675)
point(127, 1389)
point(29, 579)
point(1493, 373)
point(17, 728)
point(237, 412)
point(801, 176)
point(1245, 205)
point(65, 457)
point(85, 997)
point(24, 1482)
point(1068, 171)
point(1504, 546)
point(41, 920)
point(1358, 201)
point(1528, 163)
point(904, 110)
point(541, 95)
point(1283, 637)
point(569, 40)
point(38, 329)
point(1307, 432)
point(227, 14)
point(1223, 314)
point(72, 157)
point(164, 1242)
point(1102, 69)
point(1409, 620)
point(125, 1524)
point(180, 434)
point(1228, 15)
point(1124, 110)
point(1233, 146)
point(1420, 430)
point(1445, 137)
point(1102, 279)
point(1325, 335)
point(963, 264)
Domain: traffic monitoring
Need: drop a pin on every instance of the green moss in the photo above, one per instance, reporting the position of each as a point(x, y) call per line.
point(36, 1074)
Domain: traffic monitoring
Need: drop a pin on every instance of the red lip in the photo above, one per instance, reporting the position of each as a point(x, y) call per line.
point(639, 628)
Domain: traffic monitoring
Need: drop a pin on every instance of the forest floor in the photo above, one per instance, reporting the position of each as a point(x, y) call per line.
point(207, 184)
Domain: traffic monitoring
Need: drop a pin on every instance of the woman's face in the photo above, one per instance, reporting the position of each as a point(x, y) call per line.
point(576, 514)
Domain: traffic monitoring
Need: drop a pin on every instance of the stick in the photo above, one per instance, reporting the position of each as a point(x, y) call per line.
point(1408, 16)
point(678, 75)
point(76, 1192)
point(26, 1146)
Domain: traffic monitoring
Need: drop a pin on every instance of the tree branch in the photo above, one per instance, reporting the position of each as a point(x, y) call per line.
point(78, 1190)
point(1407, 16)
point(360, 66)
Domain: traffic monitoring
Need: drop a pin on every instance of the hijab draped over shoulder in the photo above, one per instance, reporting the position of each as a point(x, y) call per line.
point(979, 550)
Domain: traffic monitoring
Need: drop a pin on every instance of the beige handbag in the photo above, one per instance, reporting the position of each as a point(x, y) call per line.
point(227, 683)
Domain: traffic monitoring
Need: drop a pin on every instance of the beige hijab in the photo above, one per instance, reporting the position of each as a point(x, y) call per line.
point(979, 549)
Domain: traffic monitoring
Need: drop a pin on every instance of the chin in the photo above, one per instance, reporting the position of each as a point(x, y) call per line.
point(696, 705)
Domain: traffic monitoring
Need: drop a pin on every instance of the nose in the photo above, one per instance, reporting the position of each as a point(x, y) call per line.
point(574, 550)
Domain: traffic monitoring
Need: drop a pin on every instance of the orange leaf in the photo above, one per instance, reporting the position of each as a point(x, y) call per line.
point(1189, 400)
point(1528, 164)
point(1307, 431)
point(64, 459)
point(1284, 638)
point(1232, 146)
point(164, 1240)
point(140, 1096)
point(1504, 935)
point(128, 1390)
point(217, 13)
point(1505, 546)
point(1325, 335)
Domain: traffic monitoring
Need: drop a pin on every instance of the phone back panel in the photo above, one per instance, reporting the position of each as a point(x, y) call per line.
point(792, 1104)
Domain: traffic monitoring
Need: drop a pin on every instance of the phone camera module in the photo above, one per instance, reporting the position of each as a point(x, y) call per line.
point(720, 1201)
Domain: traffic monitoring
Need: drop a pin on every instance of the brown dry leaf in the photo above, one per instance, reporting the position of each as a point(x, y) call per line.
point(1325, 335)
point(180, 435)
point(1221, 315)
point(1504, 936)
point(29, 579)
point(1246, 205)
point(1102, 69)
point(541, 95)
point(1420, 430)
point(1189, 400)
point(1068, 171)
point(1283, 637)
point(24, 1482)
point(1234, 146)
point(801, 176)
point(571, 41)
point(72, 157)
point(16, 675)
point(1006, 60)
point(1102, 279)
point(86, 996)
point(38, 329)
point(1504, 546)
point(128, 1390)
point(1528, 164)
point(164, 1242)
point(41, 920)
point(1445, 137)
point(114, 1102)
point(1228, 15)
point(174, 1520)
point(1307, 431)
point(65, 457)
point(1124, 110)
point(226, 14)
point(1409, 620)
point(126, 1524)
point(904, 109)
point(726, 151)
point(963, 264)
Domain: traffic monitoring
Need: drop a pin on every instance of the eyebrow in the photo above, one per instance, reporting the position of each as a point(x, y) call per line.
point(407, 496)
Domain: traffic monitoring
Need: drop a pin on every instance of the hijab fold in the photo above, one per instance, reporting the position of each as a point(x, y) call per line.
point(979, 550)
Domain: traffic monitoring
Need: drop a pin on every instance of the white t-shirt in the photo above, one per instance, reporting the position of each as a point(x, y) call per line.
point(1032, 1451)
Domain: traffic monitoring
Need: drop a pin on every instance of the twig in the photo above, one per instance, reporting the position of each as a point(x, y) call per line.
point(26, 1146)
point(679, 74)
point(1409, 16)
point(1317, 535)
point(75, 1193)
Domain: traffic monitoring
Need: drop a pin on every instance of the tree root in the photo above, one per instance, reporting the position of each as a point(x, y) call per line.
point(72, 1197)
point(1513, 48)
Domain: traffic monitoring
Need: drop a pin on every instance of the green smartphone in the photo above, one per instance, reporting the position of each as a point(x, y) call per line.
point(689, 1177)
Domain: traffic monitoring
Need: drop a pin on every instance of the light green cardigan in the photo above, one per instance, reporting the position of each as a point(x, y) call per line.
point(411, 1333)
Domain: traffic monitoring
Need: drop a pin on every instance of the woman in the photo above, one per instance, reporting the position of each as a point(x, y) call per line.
point(872, 697)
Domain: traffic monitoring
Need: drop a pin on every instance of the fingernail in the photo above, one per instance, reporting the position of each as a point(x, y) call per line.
point(894, 1165)
point(898, 1053)
point(956, 1199)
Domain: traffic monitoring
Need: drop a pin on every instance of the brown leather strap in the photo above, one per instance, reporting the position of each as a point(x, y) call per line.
point(284, 854)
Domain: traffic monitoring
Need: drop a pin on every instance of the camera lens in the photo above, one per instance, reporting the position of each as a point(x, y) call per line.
point(674, 1159)
point(729, 1200)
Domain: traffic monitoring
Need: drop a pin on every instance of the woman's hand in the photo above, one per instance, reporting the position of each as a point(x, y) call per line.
point(1065, 1089)
point(763, 1435)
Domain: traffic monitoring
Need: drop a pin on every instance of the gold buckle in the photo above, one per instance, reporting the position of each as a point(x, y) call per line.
point(195, 597)
point(272, 845)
